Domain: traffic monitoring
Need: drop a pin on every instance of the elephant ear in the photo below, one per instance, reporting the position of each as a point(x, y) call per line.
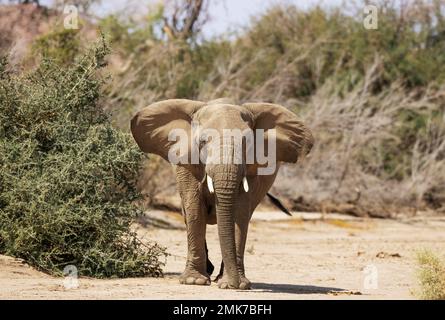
point(293, 139)
point(151, 125)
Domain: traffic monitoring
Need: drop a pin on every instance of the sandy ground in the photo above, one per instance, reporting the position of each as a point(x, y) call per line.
point(303, 257)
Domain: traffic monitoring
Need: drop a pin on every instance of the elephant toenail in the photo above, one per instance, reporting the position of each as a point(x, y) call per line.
point(224, 285)
point(201, 281)
point(190, 280)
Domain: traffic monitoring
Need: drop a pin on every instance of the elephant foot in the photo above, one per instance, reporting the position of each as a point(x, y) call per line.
point(223, 283)
point(194, 277)
point(244, 284)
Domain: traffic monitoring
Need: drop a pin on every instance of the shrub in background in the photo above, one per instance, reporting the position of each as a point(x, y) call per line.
point(67, 178)
point(59, 44)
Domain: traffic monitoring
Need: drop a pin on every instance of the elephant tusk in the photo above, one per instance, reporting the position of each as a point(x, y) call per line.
point(245, 184)
point(210, 184)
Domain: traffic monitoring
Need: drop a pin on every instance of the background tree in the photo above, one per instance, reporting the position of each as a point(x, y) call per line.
point(184, 19)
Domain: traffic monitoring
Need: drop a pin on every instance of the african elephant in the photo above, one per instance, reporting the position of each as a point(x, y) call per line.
point(218, 191)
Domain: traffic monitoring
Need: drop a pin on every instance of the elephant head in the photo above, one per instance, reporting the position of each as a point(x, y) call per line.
point(152, 129)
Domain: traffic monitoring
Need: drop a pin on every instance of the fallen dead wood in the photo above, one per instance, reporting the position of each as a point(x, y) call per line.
point(355, 209)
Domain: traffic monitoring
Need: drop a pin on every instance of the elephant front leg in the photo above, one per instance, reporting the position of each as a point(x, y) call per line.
point(194, 216)
point(242, 219)
point(240, 238)
point(196, 267)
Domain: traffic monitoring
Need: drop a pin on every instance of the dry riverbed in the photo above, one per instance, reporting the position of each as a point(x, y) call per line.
point(307, 256)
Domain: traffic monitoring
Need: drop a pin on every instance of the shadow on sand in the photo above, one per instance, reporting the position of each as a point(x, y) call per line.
point(172, 274)
point(281, 287)
point(293, 288)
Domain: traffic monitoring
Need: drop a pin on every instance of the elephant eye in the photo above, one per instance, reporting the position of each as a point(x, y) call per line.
point(200, 140)
point(203, 138)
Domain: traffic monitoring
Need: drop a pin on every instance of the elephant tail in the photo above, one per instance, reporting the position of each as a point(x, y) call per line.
point(277, 203)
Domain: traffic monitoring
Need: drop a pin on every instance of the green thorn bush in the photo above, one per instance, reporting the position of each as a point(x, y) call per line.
point(67, 177)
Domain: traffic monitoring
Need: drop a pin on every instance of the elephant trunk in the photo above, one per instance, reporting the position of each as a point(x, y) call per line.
point(226, 182)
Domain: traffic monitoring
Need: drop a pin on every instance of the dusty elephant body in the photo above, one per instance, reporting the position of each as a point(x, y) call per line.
point(220, 191)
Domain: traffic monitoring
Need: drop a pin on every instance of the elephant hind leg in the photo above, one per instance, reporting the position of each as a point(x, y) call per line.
point(221, 272)
point(209, 264)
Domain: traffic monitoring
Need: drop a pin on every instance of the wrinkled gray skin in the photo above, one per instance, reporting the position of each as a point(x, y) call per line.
point(230, 206)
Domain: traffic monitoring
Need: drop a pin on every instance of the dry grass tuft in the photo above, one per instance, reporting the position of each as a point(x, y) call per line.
point(431, 275)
